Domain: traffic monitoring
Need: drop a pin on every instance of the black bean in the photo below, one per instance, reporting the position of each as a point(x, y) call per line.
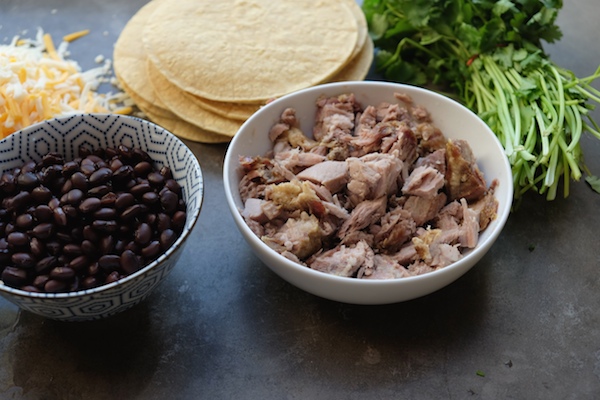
point(108, 200)
point(87, 169)
point(52, 158)
point(14, 277)
point(100, 176)
point(90, 282)
point(55, 285)
point(90, 234)
point(89, 248)
point(46, 264)
point(53, 203)
point(23, 260)
point(41, 194)
point(124, 200)
point(164, 222)
point(24, 221)
point(150, 198)
point(156, 179)
point(90, 205)
point(40, 280)
point(69, 168)
point(43, 213)
point(8, 183)
point(123, 174)
point(173, 186)
point(142, 168)
point(74, 197)
point(70, 211)
point(27, 180)
point(66, 187)
point(115, 164)
point(112, 277)
point(19, 201)
point(131, 212)
point(43, 230)
point(17, 239)
point(72, 250)
point(79, 181)
point(130, 262)
point(60, 217)
point(152, 250)
point(105, 213)
point(79, 263)
point(167, 238)
point(166, 172)
point(93, 268)
point(37, 247)
point(99, 190)
point(143, 234)
point(178, 221)
point(109, 262)
point(141, 188)
point(169, 200)
point(107, 244)
point(105, 226)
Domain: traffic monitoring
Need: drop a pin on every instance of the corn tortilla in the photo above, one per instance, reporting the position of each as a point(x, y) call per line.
point(249, 51)
point(129, 58)
point(238, 111)
point(174, 124)
point(358, 68)
point(191, 112)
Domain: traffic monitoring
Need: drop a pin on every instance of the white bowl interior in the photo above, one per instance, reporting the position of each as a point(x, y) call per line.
point(454, 120)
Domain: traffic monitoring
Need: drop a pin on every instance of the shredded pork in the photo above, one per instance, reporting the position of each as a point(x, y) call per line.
point(377, 192)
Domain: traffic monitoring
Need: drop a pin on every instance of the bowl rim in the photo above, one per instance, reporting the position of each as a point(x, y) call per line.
point(8, 290)
point(473, 254)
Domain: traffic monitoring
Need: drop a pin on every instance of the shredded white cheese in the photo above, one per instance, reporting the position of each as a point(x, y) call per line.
point(37, 82)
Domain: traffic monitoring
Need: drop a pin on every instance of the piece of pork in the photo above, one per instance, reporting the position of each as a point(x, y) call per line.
point(301, 236)
point(334, 118)
point(364, 214)
point(436, 160)
point(396, 228)
point(386, 268)
point(333, 175)
point(423, 181)
point(463, 177)
point(372, 176)
point(343, 260)
point(424, 209)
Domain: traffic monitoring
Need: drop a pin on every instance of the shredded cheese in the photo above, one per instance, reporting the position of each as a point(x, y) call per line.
point(75, 35)
point(37, 82)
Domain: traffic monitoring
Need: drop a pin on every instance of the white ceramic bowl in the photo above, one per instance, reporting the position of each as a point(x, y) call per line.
point(454, 120)
point(65, 135)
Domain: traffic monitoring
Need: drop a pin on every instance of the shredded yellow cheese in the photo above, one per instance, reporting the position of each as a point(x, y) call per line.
point(75, 35)
point(37, 82)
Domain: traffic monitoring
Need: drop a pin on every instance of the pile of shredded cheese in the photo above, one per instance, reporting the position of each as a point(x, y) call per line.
point(37, 82)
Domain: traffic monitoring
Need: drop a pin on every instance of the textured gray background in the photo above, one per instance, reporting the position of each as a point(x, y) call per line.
point(222, 326)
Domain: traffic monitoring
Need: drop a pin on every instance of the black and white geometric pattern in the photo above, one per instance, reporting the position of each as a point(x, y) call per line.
point(66, 135)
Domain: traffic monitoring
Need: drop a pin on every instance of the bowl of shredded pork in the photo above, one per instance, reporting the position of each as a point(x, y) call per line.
point(368, 192)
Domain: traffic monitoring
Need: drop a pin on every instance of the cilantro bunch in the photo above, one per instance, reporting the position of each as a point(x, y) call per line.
point(489, 55)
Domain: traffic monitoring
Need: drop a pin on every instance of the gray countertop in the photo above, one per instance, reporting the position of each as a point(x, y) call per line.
point(223, 326)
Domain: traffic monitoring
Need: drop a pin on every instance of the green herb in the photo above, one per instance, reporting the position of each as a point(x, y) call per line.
point(488, 55)
point(480, 373)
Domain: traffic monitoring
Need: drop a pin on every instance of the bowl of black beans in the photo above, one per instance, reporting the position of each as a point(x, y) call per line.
point(95, 210)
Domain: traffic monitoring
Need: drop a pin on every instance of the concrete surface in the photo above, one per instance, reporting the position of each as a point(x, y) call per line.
point(523, 324)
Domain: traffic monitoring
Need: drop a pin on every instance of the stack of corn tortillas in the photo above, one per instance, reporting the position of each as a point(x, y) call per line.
point(201, 68)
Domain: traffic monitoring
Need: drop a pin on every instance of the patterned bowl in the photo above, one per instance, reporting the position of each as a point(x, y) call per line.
point(65, 135)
